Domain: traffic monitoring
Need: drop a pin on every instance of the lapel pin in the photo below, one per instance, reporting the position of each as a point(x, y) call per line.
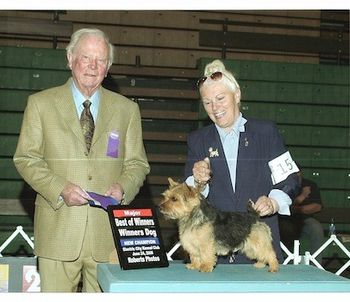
point(246, 143)
point(213, 153)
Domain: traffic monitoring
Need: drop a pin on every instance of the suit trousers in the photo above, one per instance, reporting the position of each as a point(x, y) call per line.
point(65, 276)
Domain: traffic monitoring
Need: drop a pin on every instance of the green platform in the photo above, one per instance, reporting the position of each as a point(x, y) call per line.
point(224, 279)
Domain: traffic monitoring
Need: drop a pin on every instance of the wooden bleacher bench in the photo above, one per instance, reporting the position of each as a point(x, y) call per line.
point(159, 93)
point(169, 114)
point(166, 158)
point(165, 136)
point(150, 71)
point(339, 214)
point(33, 27)
point(162, 180)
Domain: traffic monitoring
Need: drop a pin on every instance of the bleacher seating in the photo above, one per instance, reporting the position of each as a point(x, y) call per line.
point(309, 103)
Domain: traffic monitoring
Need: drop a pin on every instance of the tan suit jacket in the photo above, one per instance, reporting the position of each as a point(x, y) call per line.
point(51, 151)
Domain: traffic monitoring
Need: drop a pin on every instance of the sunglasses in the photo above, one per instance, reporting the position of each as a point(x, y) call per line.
point(215, 76)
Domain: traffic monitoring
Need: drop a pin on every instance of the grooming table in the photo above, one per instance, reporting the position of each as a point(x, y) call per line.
point(225, 279)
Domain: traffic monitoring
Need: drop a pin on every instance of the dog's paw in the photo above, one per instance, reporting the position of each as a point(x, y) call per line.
point(259, 264)
point(191, 266)
point(273, 267)
point(206, 268)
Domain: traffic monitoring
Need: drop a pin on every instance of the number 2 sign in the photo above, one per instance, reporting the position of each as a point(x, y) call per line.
point(31, 279)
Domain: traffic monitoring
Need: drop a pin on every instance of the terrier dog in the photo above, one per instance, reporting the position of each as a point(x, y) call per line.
point(206, 232)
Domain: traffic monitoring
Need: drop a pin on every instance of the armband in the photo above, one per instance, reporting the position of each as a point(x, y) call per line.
point(281, 167)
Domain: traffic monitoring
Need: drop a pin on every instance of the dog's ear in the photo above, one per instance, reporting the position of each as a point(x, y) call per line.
point(191, 191)
point(172, 182)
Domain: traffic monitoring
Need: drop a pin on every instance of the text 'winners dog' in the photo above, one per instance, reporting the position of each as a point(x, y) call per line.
point(206, 232)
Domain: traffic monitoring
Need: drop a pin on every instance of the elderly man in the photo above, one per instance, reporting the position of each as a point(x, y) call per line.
point(75, 138)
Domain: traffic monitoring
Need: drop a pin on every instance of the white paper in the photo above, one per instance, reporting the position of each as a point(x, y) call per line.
point(281, 167)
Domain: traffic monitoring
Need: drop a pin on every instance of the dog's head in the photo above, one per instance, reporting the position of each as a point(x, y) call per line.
point(179, 200)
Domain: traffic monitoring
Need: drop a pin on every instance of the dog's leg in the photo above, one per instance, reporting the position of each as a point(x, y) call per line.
point(195, 262)
point(273, 262)
point(201, 247)
point(207, 255)
point(208, 264)
point(206, 247)
point(258, 246)
point(202, 257)
point(191, 247)
point(259, 264)
point(268, 256)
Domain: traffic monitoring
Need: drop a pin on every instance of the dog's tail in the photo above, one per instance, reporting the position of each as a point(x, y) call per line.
point(250, 208)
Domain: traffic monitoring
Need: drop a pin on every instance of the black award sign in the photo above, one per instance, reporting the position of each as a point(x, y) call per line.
point(137, 236)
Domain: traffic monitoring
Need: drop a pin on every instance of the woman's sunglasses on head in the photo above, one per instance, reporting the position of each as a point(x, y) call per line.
point(215, 76)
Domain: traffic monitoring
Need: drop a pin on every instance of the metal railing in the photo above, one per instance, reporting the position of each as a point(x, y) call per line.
point(294, 256)
point(308, 258)
point(18, 231)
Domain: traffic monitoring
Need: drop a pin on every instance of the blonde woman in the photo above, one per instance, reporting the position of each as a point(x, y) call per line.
point(237, 159)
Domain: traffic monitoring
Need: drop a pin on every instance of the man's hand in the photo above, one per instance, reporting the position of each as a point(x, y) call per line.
point(116, 191)
point(305, 192)
point(73, 195)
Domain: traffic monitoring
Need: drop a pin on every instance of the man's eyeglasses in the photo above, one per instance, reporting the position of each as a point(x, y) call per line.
point(215, 76)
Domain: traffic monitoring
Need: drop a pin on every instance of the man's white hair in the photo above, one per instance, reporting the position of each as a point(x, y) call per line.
point(77, 35)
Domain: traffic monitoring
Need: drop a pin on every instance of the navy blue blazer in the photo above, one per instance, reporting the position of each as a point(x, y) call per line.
point(260, 143)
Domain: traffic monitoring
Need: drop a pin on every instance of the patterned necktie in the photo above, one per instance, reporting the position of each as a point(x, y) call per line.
point(87, 124)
